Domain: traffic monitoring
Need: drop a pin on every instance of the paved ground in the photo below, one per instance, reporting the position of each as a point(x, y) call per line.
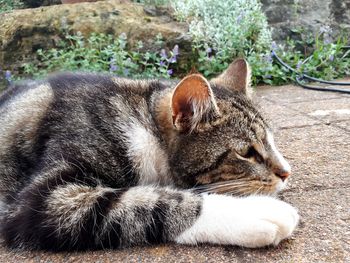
point(313, 131)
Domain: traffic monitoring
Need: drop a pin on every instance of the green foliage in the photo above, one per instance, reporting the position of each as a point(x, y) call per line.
point(316, 56)
point(223, 30)
point(8, 5)
point(102, 52)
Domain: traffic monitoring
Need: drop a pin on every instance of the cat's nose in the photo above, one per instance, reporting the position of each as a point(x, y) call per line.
point(283, 174)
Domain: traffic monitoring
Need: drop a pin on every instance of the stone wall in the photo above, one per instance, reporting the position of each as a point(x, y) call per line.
point(286, 15)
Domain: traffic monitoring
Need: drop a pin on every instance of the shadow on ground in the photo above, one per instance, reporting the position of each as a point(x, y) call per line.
point(312, 130)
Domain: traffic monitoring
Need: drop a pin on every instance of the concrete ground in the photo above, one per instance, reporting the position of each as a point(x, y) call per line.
point(312, 130)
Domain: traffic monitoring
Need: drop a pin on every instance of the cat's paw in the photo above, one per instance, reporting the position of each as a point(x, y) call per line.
point(255, 221)
point(275, 221)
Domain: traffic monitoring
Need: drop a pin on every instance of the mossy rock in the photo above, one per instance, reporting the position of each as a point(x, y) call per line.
point(23, 32)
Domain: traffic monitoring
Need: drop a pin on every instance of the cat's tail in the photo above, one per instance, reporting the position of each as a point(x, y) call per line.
point(63, 213)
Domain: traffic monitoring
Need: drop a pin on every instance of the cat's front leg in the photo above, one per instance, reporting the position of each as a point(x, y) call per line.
point(254, 221)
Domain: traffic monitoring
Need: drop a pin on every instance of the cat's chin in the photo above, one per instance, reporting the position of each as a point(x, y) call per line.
point(280, 186)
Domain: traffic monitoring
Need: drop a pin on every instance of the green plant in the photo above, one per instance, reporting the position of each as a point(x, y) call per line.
point(223, 30)
point(101, 52)
point(8, 5)
point(325, 59)
point(220, 30)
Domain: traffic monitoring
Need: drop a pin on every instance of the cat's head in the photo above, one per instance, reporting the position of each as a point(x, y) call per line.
point(218, 141)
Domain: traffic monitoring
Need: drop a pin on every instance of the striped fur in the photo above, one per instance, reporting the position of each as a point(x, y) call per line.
point(91, 161)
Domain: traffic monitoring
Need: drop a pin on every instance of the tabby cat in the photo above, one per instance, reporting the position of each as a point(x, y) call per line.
point(90, 161)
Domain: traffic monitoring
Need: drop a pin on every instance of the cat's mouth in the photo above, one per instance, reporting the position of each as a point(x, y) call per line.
point(281, 185)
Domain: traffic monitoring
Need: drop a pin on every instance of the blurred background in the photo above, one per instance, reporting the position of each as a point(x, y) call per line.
point(166, 39)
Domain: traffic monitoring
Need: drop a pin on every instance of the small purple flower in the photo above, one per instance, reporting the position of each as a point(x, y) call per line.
point(268, 58)
point(240, 17)
point(268, 76)
point(209, 50)
point(172, 59)
point(176, 50)
point(327, 40)
point(299, 64)
point(126, 72)
point(162, 63)
point(273, 45)
point(8, 75)
point(170, 72)
point(113, 68)
point(331, 57)
point(163, 54)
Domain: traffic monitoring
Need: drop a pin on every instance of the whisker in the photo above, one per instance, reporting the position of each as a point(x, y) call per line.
point(233, 188)
point(237, 187)
point(231, 182)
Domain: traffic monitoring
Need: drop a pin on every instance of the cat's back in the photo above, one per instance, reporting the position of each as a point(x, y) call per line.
point(26, 99)
point(27, 102)
point(24, 105)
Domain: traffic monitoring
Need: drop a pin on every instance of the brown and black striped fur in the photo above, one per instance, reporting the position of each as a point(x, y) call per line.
point(90, 161)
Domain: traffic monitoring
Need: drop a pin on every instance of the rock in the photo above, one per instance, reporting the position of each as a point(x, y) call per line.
point(286, 15)
point(23, 32)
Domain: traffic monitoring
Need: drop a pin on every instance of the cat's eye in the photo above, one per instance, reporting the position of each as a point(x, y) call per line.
point(252, 153)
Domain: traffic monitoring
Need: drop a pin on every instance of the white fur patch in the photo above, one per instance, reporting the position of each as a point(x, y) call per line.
point(147, 155)
point(284, 164)
point(69, 204)
point(254, 221)
point(143, 148)
point(23, 112)
point(139, 196)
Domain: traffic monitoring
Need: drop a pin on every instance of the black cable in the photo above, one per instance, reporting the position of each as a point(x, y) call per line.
point(298, 80)
point(303, 77)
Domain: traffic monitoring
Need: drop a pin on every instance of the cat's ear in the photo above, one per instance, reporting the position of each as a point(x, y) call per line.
point(192, 101)
point(237, 77)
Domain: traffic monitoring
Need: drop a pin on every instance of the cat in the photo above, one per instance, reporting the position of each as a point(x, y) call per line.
point(93, 161)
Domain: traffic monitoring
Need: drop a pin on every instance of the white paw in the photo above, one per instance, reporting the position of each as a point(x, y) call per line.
point(254, 221)
point(275, 220)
